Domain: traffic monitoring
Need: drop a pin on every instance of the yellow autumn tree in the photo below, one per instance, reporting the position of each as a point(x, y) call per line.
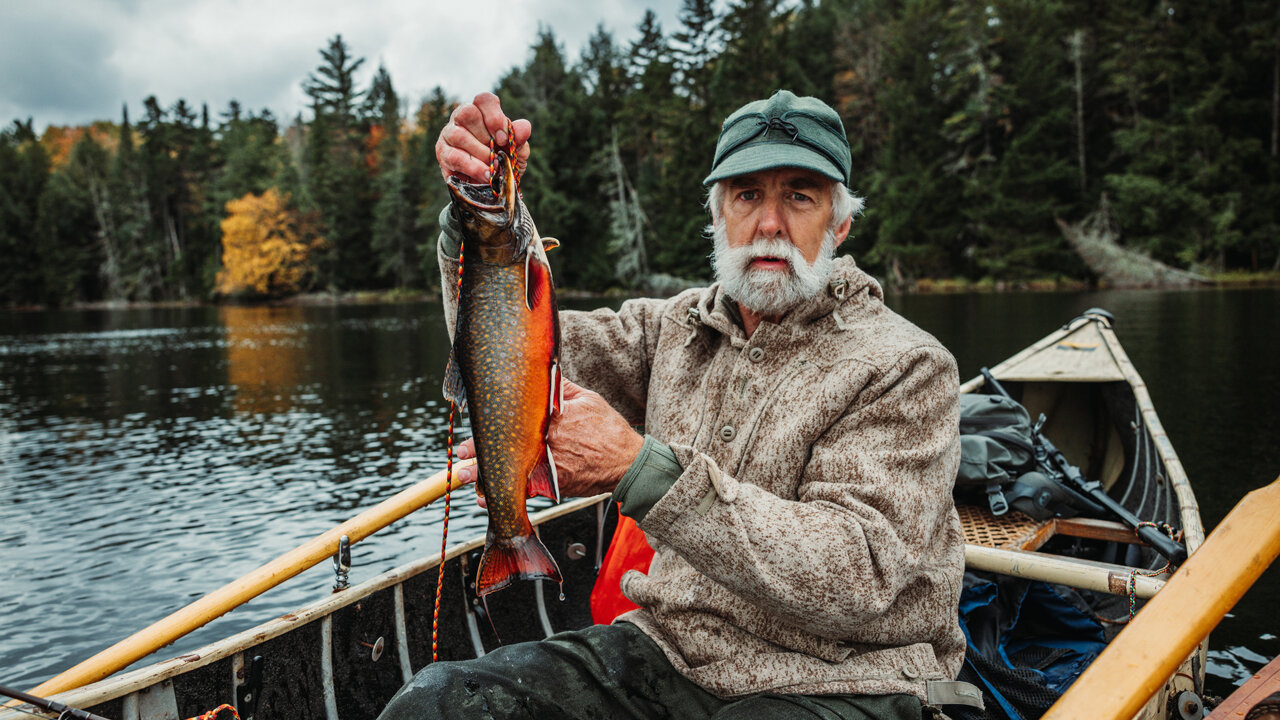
point(266, 246)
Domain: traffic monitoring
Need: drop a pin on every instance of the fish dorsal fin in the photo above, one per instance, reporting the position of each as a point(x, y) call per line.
point(537, 280)
point(543, 480)
point(454, 389)
point(550, 244)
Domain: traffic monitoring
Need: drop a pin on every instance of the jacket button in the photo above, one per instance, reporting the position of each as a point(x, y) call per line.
point(909, 672)
point(755, 354)
point(727, 432)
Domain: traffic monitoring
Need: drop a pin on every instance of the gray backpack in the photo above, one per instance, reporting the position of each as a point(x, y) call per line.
point(998, 461)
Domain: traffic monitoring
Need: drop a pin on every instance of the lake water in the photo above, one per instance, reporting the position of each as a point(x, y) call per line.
point(150, 456)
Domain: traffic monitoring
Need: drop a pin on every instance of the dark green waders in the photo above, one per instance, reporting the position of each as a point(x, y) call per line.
point(605, 672)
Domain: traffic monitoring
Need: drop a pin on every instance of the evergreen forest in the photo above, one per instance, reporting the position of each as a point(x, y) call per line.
point(979, 131)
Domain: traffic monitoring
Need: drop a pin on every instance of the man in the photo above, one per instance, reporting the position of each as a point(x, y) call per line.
point(795, 478)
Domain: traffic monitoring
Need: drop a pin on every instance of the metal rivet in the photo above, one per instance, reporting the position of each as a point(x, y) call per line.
point(755, 354)
point(727, 432)
point(375, 648)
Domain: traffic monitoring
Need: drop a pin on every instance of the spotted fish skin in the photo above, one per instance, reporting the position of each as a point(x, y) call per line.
point(504, 367)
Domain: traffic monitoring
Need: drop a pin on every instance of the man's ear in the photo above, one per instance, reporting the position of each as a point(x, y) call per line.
point(842, 232)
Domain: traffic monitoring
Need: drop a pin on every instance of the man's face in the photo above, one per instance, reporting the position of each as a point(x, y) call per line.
point(786, 203)
point(774, 244)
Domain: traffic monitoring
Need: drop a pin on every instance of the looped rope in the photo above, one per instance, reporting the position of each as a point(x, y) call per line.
point(1174, 535)
point(511, 150)
point(213, 714)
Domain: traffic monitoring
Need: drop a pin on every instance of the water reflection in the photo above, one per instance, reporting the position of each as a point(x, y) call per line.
point(266, 354)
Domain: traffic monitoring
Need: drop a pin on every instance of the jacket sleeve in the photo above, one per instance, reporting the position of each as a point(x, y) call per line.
point(603, 350)
point(872, 513)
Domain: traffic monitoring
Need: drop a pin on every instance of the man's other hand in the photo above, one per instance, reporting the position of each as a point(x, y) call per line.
point(592, 444)
point(463, 146)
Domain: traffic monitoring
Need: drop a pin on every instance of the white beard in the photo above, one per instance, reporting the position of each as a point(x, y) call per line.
point(770, 292)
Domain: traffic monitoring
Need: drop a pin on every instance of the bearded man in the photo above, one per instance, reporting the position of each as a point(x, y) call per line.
point(794, 479)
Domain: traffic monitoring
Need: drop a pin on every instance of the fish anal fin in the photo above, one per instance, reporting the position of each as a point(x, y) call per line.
point(454, 389)
point(543, 480)
point(521, 558)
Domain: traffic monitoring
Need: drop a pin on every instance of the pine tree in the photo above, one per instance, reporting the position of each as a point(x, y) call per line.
point(336, 177)
point(423, 186)
point(394, 241)
point(24, 172)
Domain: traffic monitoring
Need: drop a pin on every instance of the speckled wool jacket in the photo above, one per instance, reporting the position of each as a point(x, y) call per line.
point(810, 544)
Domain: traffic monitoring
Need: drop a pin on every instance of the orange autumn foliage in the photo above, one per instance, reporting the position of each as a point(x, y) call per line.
point(266, 246)
point(59, 139)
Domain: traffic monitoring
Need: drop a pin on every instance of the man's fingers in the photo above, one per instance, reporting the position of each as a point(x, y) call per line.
point(461, 138)
point(495, 121)
point(454, 161)
point(470, 118)
point(466, 449)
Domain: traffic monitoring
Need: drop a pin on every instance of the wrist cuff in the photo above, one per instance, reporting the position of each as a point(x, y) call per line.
point(652, 474)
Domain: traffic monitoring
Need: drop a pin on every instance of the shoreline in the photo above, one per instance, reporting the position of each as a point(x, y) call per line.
point(925, 286)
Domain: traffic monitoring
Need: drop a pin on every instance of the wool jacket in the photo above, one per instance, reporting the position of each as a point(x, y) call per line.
point(810, 544)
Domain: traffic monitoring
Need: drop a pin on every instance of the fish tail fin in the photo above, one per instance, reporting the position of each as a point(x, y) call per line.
point(521, 558)
point(543, 480)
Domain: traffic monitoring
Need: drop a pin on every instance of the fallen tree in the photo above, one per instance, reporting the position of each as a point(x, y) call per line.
point(1096, 240)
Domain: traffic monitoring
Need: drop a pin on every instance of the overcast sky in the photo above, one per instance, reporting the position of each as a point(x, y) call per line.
point(74, 61)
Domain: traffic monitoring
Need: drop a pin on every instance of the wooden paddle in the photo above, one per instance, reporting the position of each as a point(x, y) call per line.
point(1152, 646)
point(238, 592)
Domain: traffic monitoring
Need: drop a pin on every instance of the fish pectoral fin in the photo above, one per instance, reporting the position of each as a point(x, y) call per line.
point(454, 389)
point(537, 281)
point(543, 480)
point(555, 394)
point(550, 244)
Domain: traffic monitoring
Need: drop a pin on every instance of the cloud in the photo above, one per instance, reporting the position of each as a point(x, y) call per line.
point(55, 61)
point(78, 61)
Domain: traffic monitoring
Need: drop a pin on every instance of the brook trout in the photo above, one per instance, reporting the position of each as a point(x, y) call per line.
point(504, 368)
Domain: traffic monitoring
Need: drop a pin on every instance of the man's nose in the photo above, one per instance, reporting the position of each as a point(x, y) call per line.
point(771, 223)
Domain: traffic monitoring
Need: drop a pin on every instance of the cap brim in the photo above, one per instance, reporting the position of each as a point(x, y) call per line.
point(769, 156)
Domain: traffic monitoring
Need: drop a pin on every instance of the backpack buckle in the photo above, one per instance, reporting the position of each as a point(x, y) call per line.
point(996, 499)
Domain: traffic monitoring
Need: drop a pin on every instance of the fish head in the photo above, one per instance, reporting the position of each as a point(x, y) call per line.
point(495, 224)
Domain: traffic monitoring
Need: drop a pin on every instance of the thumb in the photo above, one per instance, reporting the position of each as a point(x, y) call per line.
point(573, 390)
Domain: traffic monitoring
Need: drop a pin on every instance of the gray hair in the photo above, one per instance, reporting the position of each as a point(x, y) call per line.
point(844, 204)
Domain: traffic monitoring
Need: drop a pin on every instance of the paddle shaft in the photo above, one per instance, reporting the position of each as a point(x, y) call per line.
point(1172, 551)
point(236, 593)
point(1151, 647)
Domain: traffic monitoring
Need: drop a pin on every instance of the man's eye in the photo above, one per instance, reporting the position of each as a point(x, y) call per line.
point(747, 195)
point(800, 197)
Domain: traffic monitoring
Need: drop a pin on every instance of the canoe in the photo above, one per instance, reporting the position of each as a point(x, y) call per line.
point(345, 654)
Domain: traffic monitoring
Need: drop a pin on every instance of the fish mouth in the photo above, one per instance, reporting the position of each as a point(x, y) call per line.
point(496, 202)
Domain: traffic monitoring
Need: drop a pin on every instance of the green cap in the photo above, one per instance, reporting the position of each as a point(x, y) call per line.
point(783, 131)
